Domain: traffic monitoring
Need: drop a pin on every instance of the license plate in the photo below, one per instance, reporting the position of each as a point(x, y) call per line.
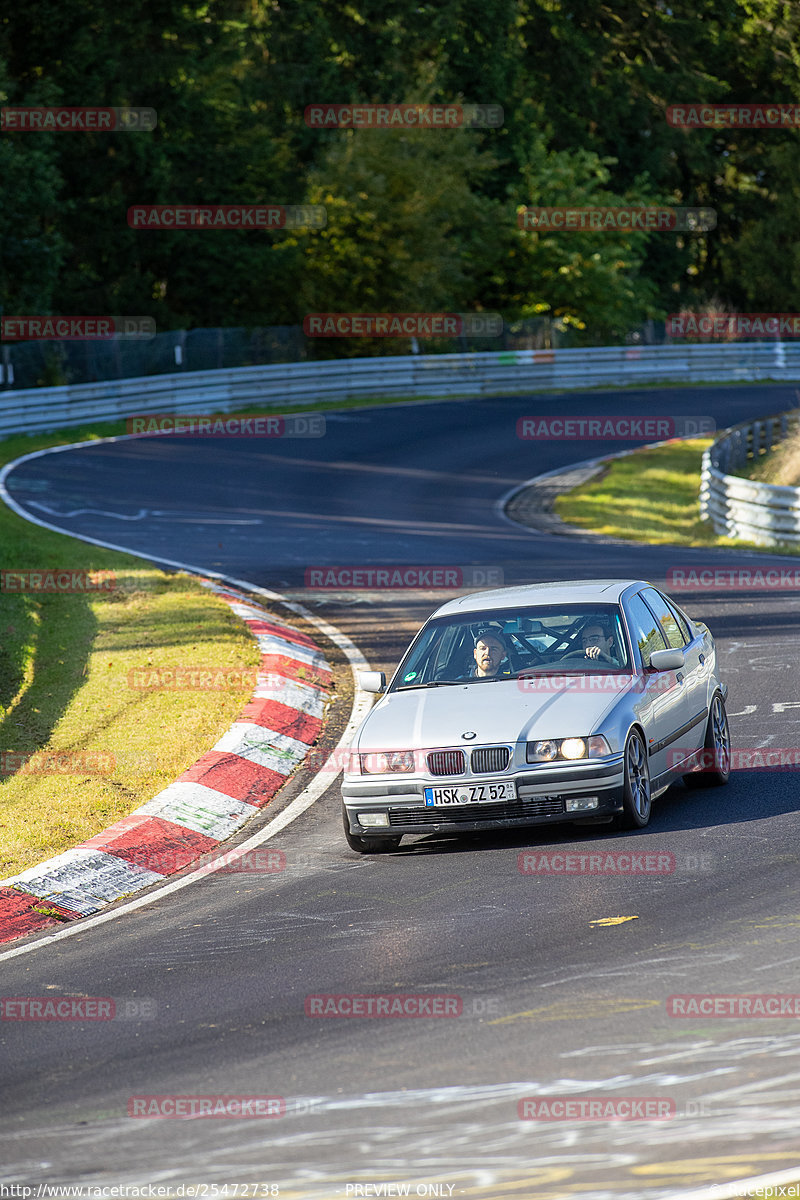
point(469, 793)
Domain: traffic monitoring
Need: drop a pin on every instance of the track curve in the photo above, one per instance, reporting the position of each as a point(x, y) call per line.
point(553, 1004)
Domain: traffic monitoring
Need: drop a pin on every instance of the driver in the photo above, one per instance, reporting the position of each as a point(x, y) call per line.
point(598, 643)
point(490, 650)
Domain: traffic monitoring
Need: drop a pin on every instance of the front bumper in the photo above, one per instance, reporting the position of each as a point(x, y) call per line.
point(542, 793)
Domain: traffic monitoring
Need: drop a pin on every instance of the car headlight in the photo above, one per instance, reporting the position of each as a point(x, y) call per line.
point(567, 749)
point(387, 762)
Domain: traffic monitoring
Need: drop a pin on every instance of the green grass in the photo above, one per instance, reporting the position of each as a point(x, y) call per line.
point(64, 685)
point(650, 496)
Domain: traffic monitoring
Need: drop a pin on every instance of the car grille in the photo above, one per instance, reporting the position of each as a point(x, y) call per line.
point(447, 762)
point(490, 758)
point(509, 810)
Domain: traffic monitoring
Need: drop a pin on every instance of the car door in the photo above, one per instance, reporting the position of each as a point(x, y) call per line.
point(694, 674)
point(664, 705)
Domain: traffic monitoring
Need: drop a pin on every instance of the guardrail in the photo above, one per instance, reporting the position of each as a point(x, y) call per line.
point(281, 385)
point(764, 513)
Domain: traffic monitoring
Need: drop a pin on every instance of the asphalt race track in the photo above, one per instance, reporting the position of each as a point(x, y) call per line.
point(216, 975)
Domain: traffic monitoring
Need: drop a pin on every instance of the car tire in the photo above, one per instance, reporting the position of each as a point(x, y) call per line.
point(716, 750)
point(636, 797)
point(368, 845)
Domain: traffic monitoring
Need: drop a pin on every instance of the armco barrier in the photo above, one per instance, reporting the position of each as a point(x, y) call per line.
point(763, 513)
point(281, 385)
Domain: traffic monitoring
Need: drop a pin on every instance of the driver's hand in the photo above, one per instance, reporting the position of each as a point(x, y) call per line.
point(592, 651)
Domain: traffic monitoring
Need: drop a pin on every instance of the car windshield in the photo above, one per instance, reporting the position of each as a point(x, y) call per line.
point(501, 644)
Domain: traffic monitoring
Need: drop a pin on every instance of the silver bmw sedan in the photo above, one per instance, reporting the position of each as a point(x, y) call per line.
point(578, 700)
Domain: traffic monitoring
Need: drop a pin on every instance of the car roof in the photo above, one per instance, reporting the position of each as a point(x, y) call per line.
point(562, 591)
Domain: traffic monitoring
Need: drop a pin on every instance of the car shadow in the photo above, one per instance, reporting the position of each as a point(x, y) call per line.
point(743, 799)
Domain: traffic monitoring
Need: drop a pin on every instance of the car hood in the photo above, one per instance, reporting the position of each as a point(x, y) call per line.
point(494, 712)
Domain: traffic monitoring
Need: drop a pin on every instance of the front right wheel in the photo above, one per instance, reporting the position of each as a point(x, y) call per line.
point(636, 800)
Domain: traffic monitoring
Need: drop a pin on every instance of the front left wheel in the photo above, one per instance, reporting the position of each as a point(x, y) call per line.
point(716, 752)
point(368, 845)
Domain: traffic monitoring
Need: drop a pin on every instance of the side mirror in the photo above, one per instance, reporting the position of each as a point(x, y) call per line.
point(667, 660)
point(372, 681)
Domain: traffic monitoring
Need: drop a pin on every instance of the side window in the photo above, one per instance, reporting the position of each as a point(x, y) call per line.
point(688, 633)
point(645, 629)
point(666, 617)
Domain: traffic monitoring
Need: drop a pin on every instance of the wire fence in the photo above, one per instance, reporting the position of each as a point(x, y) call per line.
point(59, 363)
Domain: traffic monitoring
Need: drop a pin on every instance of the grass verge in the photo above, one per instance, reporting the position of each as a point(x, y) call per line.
point(82, 741)
point(649, 496)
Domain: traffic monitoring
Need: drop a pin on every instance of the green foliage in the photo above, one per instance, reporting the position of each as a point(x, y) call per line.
point(418, 220)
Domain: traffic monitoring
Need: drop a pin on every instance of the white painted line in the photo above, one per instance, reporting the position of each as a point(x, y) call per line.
point(281, 690)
